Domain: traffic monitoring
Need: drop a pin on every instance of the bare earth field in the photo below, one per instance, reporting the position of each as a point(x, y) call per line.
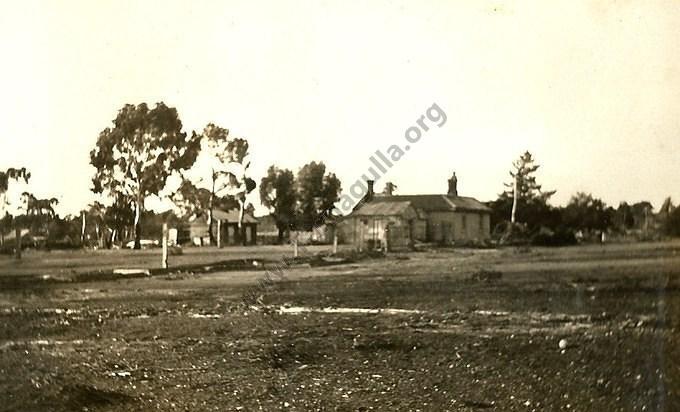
point(454, 329)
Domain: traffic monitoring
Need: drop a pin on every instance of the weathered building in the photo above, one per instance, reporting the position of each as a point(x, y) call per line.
point(401, 220)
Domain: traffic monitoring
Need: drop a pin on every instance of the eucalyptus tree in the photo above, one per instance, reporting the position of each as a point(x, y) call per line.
point(240, 184)
point(135, 157)
point(219, 176)
point(202, 184)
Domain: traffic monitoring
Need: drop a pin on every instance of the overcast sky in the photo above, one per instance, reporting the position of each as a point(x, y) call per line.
point(591, 88)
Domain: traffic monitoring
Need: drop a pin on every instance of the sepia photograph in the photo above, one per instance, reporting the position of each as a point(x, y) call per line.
point(340, 205)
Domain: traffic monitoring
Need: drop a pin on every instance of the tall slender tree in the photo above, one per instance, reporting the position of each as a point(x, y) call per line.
point(240, 183)
point(202, 184)
point(220, 176)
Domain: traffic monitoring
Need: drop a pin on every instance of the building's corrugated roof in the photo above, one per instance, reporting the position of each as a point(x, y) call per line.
point(228, 215)
point(383, 209)
point(434, 203)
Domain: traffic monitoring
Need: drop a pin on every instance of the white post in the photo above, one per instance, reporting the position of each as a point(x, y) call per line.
point(295, 246)
point(164, 258)
point(82, 230)
point(335, 240)
point(219, 233)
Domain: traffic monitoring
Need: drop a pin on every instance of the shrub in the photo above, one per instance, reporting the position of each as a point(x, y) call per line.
point(560, 237)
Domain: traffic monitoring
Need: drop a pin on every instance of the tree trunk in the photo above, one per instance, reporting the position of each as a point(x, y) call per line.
point(515, 196)
point(241, 227)
point(164, 243)
point(82, 231)
point(281, 233)
point(138, 225)
point(211, 204)
point(211, 236)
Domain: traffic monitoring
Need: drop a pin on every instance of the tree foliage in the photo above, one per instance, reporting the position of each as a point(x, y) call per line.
point(12, 174)
point(318, 192)
point(7, 176)
point(191, 200)
point(584, 212)
point(240, 184)
point(389, 189)
point(277, 193)
point(219, 177)
point(528, 189)
point(118, 217)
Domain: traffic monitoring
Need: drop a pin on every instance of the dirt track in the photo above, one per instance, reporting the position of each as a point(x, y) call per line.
point(479, 330)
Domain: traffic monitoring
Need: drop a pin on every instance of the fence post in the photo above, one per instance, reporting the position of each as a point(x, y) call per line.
point(335, 240)
point(164, 241)
point(219, 233)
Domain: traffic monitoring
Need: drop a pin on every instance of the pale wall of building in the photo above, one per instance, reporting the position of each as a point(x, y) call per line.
point(458, 226)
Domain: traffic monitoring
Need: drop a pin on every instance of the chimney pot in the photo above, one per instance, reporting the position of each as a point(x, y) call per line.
point(370, 183)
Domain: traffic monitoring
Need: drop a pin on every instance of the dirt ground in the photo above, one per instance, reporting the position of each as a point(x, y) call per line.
point(588, 328)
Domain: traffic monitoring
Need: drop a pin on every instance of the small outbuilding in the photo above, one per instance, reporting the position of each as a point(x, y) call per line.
point(385, 225)
point(225, 228)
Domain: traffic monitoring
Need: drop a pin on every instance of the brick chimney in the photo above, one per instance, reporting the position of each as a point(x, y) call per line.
point(369, 194)
point(453, 185)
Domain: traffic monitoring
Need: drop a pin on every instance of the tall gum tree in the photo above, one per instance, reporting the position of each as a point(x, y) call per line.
point(204, 183)
point(135, 157)
point(239, 184)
